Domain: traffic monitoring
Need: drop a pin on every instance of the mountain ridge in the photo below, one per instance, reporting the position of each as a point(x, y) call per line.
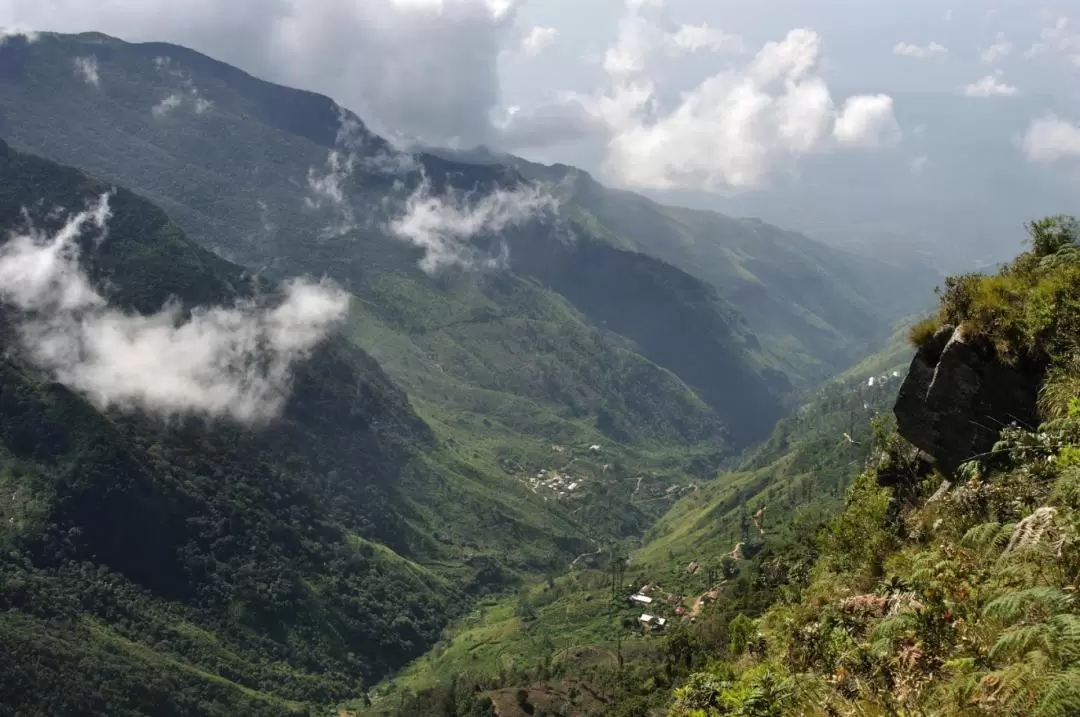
point(258, 208)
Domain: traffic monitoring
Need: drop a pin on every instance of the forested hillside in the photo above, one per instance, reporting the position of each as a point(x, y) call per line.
point(729, 546)
point(461, 268)
point(946, 585)
point(816, 310)
point(195, 561)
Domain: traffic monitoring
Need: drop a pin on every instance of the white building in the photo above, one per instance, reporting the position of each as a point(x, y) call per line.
point(652, 620)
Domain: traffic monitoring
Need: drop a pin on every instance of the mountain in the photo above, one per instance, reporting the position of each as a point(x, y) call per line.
point(816, 309)
point(286, 181)
point(194, 558)
point(262, 570)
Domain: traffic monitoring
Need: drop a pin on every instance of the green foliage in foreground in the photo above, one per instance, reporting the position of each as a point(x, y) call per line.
point(960, 599)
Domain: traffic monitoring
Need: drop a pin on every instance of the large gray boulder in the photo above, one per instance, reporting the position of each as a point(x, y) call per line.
point(958, 395)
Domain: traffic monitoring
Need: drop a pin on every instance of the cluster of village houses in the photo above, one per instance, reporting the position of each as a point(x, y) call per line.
point(650, 596)
point(559, 483)
point(648, 621)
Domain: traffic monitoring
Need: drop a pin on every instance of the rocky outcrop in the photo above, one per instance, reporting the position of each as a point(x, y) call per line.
point(958, 395)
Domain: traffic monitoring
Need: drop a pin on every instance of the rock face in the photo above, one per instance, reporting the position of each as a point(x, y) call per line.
point(958, 395)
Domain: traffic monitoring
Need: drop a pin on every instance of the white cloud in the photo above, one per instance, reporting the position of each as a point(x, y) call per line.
point(167, 105)
point(538, 39)
point(636, 38)
point(1051, 139)
point(445, 225)
point(10, 32)
point(993, 53)
point(867, 121)
point(187, 93)
point(86, 68)
point(231, 362)
point(918, 164)
point(989, 86)
point(907, 49)
point(1058, 38)
point(327, 187)
point(695, 38)
point(736, 127)
point(550, 124)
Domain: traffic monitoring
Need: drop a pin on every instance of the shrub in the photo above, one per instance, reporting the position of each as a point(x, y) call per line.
point(922, 332)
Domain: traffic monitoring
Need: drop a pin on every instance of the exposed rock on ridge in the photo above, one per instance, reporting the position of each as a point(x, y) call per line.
point(958, 395)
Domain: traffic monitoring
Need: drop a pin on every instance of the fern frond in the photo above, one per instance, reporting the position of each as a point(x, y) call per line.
point(1061, 695)
point(1031, 530)
point(1066, 629)
point(1022, 641)
point(1014, 686)
point(1013, 605)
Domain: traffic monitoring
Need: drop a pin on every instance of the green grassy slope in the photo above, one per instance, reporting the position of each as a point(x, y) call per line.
point(573, 626)
point(804, 467)
point(946, 593)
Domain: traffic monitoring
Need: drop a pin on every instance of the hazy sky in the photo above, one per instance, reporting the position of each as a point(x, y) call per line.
point(697, 95)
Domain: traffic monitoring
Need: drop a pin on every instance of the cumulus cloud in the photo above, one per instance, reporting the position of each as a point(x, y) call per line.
point(86, 68)
point(990, 86)
point(1000, 49)
point(538, 39)
point(636, 38)
point(867, 121)
point(234, 362)
point(1059, 38)
point(1051, 139)
point(695, 38)
point(644, 33)
point(736, 127)
point(445, 225)
point(907, 49)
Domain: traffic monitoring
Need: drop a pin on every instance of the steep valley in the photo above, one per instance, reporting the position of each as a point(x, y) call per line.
point(533, 377)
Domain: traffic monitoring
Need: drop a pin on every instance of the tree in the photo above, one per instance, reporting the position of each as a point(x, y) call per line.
point(1050, 235)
